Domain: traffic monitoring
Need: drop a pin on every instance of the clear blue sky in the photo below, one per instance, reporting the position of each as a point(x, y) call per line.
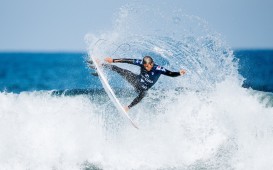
point(60, 25)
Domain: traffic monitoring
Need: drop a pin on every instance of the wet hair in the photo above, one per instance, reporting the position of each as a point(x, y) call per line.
point(148, 60)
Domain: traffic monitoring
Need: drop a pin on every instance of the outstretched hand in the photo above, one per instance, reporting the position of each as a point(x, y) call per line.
point(182, 72)
point(108, 60)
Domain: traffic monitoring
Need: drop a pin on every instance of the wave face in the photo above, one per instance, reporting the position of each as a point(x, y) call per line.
point(203, 120)
point(256, 67)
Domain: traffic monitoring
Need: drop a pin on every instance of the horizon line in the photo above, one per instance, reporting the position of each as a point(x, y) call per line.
point(82, 51)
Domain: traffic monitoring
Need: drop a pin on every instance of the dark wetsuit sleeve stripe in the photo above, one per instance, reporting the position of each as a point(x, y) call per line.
point(129, 61)
point(137, 99)
point(170, 73)
point(124, 60)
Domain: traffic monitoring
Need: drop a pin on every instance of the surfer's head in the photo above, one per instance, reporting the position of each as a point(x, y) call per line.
point(148, 63)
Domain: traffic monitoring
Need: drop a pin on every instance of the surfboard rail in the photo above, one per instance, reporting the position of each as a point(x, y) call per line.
point(111, 93)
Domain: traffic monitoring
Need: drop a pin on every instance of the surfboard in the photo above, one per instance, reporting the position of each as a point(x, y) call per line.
point(111, 93)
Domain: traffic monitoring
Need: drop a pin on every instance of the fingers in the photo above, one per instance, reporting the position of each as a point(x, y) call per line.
point(182, 72)
point(108, 59)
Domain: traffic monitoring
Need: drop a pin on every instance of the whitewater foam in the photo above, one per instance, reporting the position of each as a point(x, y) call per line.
point(39, 131)
point(224, 129)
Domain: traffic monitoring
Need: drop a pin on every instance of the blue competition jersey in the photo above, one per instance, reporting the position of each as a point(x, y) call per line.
point(148, 78)
point(143, 81)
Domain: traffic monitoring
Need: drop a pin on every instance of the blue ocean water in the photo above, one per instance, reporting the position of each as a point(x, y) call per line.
point(256, 66)
point(44, 71)
point(67, 71)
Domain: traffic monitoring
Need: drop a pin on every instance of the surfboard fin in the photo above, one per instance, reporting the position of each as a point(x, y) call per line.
point(90, 62)
point(95, 74)
point(91, 65)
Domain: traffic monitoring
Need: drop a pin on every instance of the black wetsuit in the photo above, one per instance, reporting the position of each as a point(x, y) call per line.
point(143, 81)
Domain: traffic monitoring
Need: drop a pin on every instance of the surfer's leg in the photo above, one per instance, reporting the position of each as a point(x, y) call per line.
point(126, 74)
point(138, 98)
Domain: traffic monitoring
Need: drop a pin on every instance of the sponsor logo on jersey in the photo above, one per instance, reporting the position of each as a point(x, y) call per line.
point(161, 68)
point(144, 87)
point(146, 79)
point(138, 61)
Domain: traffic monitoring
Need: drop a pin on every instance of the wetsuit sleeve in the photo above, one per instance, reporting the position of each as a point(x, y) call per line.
point(137, 99)
point(171, 74)
point(128, 60)
point(167, 72)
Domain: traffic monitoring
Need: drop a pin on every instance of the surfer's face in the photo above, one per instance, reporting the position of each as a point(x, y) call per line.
point(148, 67)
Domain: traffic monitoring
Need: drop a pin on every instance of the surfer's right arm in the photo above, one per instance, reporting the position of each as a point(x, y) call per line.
point(123, 60)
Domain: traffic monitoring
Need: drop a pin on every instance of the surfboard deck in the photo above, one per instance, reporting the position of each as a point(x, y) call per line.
point(110, 92)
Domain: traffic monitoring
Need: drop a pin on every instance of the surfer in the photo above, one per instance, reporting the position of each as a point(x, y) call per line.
point(149, 74)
